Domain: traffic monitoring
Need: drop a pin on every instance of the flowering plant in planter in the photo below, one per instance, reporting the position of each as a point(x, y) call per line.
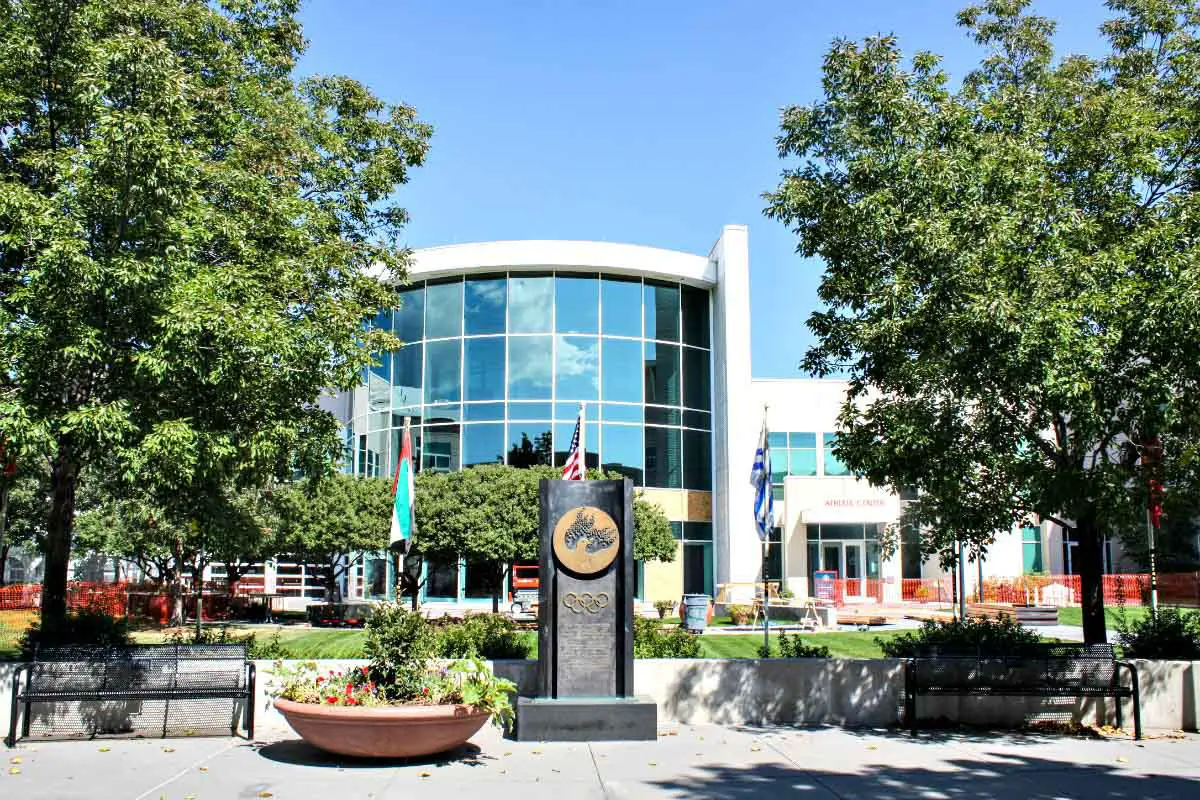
point(405, 702)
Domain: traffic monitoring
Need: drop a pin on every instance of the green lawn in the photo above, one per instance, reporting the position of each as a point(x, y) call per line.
point(1112, 615)
point(849, 644)
point(348, 643)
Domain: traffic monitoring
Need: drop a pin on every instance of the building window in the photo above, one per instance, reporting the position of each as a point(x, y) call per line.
point(697, 558)
point(442, 579)
point(833, 465)
point(773, 564)
point(1031, 545)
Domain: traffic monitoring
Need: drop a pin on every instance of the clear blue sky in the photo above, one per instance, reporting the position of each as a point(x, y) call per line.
point(642, 121)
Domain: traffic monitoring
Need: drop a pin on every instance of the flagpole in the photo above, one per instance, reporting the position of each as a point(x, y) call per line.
point(766, 544)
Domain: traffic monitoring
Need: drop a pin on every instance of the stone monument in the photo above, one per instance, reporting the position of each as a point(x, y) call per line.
point(585, 631)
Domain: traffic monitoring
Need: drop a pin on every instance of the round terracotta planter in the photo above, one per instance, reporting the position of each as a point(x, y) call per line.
point(382, 731)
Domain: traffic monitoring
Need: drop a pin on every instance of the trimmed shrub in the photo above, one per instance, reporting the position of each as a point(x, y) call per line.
point(1000, 635)
point(740, 615)
point(1174, 635)
point(664, 607)
point(794, 647)
point(270, 650)
point(87, 626)
point(652, 640)
point(399, 644)
point(488, 636)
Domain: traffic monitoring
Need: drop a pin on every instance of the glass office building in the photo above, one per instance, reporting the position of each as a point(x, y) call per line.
point(494, 369)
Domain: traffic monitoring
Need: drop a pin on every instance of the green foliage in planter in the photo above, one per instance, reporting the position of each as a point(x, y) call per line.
point(999, 635)
point(794, 647)
point(1174, 634)
point(652, 640)
point(484, 636)
point(740, 615)
point(664, 607)
point(399, 645)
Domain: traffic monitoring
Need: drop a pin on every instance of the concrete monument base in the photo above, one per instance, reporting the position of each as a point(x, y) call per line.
point(586, 719)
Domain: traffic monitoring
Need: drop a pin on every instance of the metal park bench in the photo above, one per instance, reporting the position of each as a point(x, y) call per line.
point(179, 689)
point(1038, 670)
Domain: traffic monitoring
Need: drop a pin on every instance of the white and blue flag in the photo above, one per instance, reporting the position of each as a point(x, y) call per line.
point(760, 479)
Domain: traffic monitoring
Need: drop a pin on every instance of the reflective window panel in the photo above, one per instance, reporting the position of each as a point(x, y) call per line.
point(482, 444)
point(621, 362)
point(697, 390)
point(406, 375)
point(408, 321)
point(695, 316)
point(529, 444)
point(577, 302)
point(530, 304)
point(444, 309)
point(662, 312)
point(484, 368)
point(623, 452)
point(577, 368)
point(664, 462)
point(484, 307)
point(621, 303)
point(662, 374)
point(697, 460)
point(529, 366)
point(443, 371)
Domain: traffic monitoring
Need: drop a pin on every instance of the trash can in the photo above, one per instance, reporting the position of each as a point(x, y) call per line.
point(695, 612)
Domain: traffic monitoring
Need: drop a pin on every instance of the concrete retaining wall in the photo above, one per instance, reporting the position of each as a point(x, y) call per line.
point(834, 691)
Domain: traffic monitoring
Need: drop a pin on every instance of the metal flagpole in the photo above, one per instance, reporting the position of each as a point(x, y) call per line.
point(766, 545)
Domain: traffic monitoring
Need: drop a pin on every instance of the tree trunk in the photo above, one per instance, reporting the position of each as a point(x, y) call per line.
point(4, 485)
point(333, 585)
point(64, 477)
point(177, 616)
point(1088, 562)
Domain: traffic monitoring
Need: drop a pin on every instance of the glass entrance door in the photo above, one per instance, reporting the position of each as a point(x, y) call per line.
point(852, 553)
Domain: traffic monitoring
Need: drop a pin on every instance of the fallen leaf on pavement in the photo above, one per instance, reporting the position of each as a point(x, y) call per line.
point(265, 793)
point(1123, 759)
point(168, 749)
point(755, 748)
point(15, 760)
point(423, 774)
point(872, 747)
point(105, 749)
point(14, 771)
point(203, 769)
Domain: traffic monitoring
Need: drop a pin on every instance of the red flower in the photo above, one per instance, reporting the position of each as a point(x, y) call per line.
point(320, 679)
point(331, 699)
point(350, 701)
point(425, 691)
point(349, 688)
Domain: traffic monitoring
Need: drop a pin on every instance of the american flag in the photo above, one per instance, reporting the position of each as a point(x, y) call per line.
point(574, 469)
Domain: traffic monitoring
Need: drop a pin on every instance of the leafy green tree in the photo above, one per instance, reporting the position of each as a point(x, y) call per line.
point(1010, 271)
point(190, 240)
point(488, 515)
point(332, 521)
point(233, 529)
point(24, 503)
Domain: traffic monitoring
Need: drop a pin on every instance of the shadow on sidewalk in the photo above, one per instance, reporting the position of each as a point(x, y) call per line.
point(297, 752)
point(1003, 775)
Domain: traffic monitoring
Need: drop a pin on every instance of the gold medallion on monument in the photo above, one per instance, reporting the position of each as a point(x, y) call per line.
point(586, 540)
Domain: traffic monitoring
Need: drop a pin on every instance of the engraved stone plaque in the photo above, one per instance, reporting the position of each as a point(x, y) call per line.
point(585, 646)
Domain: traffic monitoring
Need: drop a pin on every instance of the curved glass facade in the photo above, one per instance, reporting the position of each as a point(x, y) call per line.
point(494, 368)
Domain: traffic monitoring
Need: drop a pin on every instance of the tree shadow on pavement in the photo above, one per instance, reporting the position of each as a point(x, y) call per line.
point(998, 776)
point(297, 752)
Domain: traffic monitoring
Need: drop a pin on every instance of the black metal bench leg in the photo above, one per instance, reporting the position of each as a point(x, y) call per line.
point(910, 699)
point(1120, 716)
point(1137, 704)
point(11, 741)
point(250, 700)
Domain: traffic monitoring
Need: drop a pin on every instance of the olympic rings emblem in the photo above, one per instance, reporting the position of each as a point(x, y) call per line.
point(585, 601)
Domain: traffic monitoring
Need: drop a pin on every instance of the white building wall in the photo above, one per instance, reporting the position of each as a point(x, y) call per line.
point(738, 555)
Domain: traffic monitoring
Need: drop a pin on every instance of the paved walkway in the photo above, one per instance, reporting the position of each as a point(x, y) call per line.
point(685, 762)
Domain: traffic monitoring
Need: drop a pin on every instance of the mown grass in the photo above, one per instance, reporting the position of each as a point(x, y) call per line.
point(1112, 615)
point(340, 643)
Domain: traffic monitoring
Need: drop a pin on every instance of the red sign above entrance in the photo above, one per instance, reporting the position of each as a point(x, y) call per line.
point(842, 502)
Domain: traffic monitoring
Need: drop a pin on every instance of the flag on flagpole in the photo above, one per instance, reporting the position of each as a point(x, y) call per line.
point(575, 468)
point(404, 491)
point(760, 479)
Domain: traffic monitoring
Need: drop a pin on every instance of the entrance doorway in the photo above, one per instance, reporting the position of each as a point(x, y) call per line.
point(847, 559)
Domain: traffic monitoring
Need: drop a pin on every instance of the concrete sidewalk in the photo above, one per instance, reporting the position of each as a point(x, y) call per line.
point(685, 762)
